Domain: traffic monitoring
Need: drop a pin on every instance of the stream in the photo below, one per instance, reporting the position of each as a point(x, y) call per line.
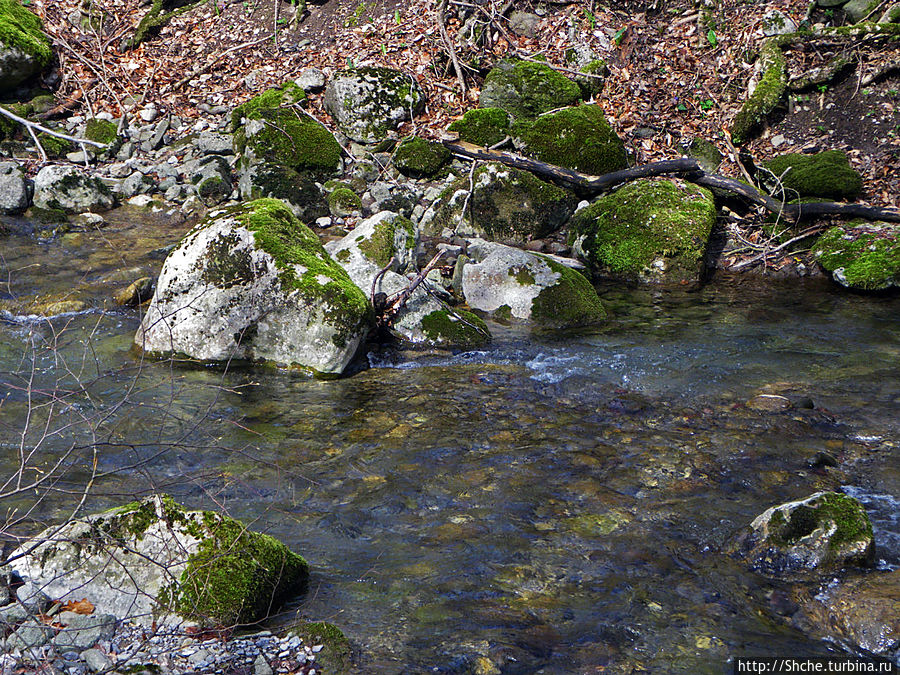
point(553, 504)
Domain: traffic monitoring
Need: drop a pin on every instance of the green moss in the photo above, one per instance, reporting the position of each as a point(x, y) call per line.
point(379, 248)
point(382, 89)
point(287, 94)
point(343, 201)
point(53, 146)
point(766, 96)
point(523, 276)
point(236, 576)
point(527, 89)
point(578, 138)
point(101, 131)
point(154, 20)
point(291, 244)
point(458, 328)
point(826, 174)
point(864, 256)
point(22, 29)
point(336, 650)
point(419, 158)
point(483, 126)
point(288, 137)
point(645, 225)
point(848, 515)
point(592, 86)
point(572, 301)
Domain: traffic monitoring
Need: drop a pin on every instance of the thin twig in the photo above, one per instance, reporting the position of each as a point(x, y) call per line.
point(818, 229)
point(442, 8)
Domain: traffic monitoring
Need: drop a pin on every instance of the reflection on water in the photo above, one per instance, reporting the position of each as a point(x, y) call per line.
point(551, 505)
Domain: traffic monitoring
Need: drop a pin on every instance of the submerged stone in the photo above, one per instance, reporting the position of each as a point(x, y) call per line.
point(826, 174)
point(252, 282)
point(153, 561)
point(820, 534)
point(577, 138)
point(859, 255)
point(653, 230)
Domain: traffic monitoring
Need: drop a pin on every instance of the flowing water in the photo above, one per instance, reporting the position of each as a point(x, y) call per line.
point(550, 504)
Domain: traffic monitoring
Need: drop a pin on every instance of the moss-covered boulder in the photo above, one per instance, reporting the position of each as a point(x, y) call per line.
point(297, 190)
point(368, 102)
point(820, 534)
point(482, 126)
point(417, 158)
point(506, 204)
point(862, 256)
point(770, 88)
point(24, 49)
point(827, 175)
point(288, 137)
point(526, 89)
point(287, 94)
point(653, 230)
point(578, 138)
point(342, 202)
point(70, 189)
point(100, 131)
point(336, 654)
point(252, 282)
point(153, 561)
point(212, 177)
point(511, 283)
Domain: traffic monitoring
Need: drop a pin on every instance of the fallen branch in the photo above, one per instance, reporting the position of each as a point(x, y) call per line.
point(442, 25)
point(31, 126)
point(765, 254)
point(687, 168)
point(396, 303)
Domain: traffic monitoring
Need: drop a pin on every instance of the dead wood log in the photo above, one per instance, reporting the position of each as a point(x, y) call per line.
point(687, 168)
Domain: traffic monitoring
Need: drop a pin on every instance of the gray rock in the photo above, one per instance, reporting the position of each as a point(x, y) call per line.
point(261, 666)
point(126, 152)
point(311, 79)
point(212, 177)
point(149, 114)
point(14, 194)
point(82, 631)
point(70, 189)
point(136, 184)
point(368, 102)
point(523, 23)
point(269, 179)
point(776, 22)
point(213, 143)
point(28, 636)
point(857, 10)
point(13, 614)
point(156, 138)
point(222, 295)
point(527, 89)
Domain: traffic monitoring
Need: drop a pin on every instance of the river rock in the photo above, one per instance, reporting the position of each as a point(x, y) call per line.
point(418, 158)
point(369, 248)
point(506, 204)
point(211, 175)
point(24, 49)
point(817, 535)
point(368, 102)
point(863, 612)
point(70, 189)
point(154, 561)
point(860, 255)
point(252, 282)
point(509, 282)
point(270, 179)
point(286, 95)
point(14, 193)
point(213, 143)
point(526, 89)
point(650, 229)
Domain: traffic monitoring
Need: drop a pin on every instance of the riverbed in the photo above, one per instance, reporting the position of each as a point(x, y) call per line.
point(552, 503)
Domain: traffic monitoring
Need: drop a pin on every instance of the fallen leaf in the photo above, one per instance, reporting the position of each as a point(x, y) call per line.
point(83, 606)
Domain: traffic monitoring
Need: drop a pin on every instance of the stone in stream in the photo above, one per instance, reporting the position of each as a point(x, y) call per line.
point(820, 534)
point(153, 561)
point(252, 282)
point(861, 255)
point(70, 189)
point(14, 195)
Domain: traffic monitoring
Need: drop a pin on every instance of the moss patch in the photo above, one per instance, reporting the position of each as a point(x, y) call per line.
point(379, 248)
point(767, 95)
point(527, 89)
point(343, 201)
point(303, 263)
point(826, 174)
point(572, 301)
point(419, 158)
point(848, 515)
point(483, 126)
point(336, 650)
point(21, 29)
point(457, 328)
point(864, 256)
point(578, 138)
point(656, 229)
point(100, 131)
point(287, 94)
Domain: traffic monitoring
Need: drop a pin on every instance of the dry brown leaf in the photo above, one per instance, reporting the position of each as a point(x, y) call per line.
point(83, 606)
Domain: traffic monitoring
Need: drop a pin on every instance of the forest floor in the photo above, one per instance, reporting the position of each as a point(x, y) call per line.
point(675, 74)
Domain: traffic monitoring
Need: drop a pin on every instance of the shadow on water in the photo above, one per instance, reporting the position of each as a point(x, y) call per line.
point(544, 505)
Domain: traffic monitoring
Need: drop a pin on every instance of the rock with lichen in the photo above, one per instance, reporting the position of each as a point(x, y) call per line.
point(765, 96)
point(155, 562)
point(277, 181)
point(70, 189)
point(510, 283)
point(418, 158)
point(24, 48)
point(388, 241)
point(343, 202)
point(288, 94)
point(650, 230)
point(526, 89)
point(251, 282)
point(14, 192)
point(505, 204)
point(861, 255)
point(366, 103)
point(578, 138)
point(826, 175)
point(820, 534)
point(211, 175)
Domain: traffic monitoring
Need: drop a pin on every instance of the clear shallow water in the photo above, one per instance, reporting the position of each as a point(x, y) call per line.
point(545, 505)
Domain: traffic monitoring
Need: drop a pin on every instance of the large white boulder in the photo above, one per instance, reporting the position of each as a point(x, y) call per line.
point(252, 282)
point(71, 189)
